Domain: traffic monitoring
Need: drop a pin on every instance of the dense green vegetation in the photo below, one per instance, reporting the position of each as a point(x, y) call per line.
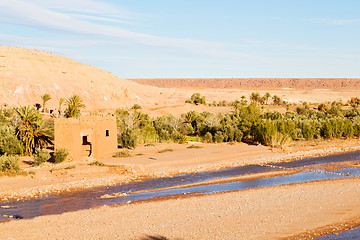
point(196, 98)
point(24, 131)
point(248, 122)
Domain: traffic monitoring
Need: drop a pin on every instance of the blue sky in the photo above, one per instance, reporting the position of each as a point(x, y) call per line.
point(192, 38)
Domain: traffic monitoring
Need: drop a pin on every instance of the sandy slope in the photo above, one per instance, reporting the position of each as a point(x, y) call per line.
point(27, 74)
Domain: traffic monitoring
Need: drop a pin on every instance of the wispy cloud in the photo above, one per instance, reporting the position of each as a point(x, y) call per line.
point(76, 16)
point(334, 21)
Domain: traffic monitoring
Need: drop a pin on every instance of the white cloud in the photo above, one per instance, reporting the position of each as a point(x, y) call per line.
point(42, 14)
point(104, 19)
point(87, 6)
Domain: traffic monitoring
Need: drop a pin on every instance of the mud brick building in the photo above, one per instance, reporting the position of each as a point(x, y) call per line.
point(89, 136)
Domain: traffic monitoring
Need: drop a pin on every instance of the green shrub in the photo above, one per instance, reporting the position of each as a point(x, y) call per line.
point(9, 143)
point(41, 156)
point(308, 130)
point(9, 163)
point(194, 147)
point(228, 134)
point(164, 135)
point(186, 129)
point(327, 129)
point(122, 154)
point(197, 99)
point(97, 163)
point(264, 131)
point(219, 137)
point(348, 129)
point(238, 135)
point(60, 155)
point(208, 137)
point(166, 150)
point(70, 167)
point(279, 140)
point(179, 138)
point(128, 139)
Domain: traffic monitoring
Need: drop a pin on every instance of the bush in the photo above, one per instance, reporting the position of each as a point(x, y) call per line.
point(128, 139)
point(9, 163)
point(164, 135)
point(186, 129)
point(179, 138)
point(348, 128)
point(219, 137)
point(166, 150)
point(194, 147)
point(264, 132)
point(308, 130)
point(197, 99)
point(238, 135)
point(122, 154)
point(9, 143)
point(279, 140)
point(97, 163)
point(208, 137)
point(41, 156)
point(60, 155)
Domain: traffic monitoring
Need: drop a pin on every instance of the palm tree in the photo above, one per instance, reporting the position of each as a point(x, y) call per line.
point(33, 130)
point(74, 105)
point(255, 98)
point(190, 117)
point(136, 107)
point(276, 100)
point(61, 101)
point(46, 97)
point(267, 97)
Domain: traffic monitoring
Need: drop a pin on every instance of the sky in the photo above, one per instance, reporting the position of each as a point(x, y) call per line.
point(193, 38)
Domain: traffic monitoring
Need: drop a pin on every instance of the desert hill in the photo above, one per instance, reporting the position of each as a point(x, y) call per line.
point(25, 75)
point(254, 83)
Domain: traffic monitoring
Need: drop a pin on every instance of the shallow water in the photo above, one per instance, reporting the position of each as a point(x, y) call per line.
point(56, 204)
point(350, 234)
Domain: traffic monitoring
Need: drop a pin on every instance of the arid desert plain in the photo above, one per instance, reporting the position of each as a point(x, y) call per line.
point(297, 210)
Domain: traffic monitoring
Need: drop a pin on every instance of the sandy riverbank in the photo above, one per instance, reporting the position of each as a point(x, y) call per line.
point(268, 213)
point(300, 210)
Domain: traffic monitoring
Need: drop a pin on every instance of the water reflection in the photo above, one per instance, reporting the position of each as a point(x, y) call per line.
point(56, 204)
point(348, 235)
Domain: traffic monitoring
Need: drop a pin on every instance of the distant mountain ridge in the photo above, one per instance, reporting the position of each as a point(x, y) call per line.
point(253, 83)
